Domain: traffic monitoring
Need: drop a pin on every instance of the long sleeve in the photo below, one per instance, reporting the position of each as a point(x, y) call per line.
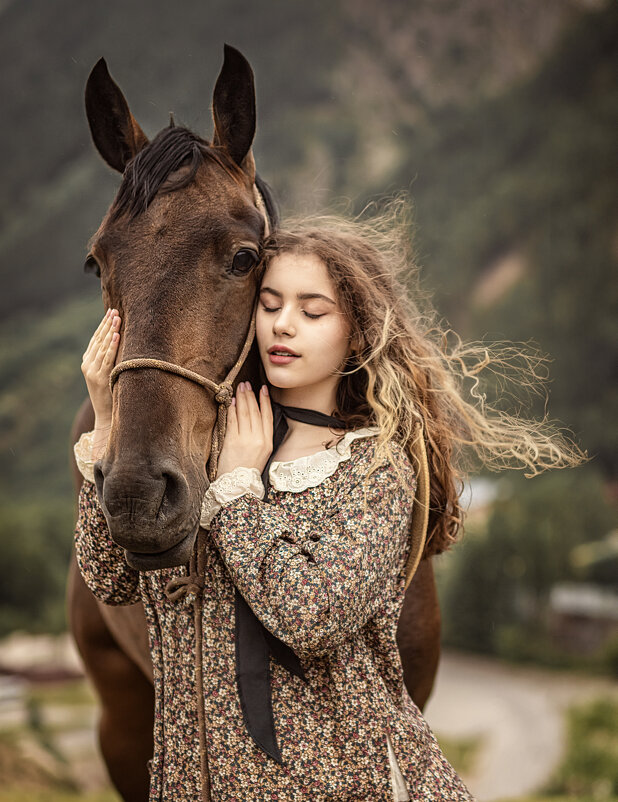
point(314, 587)
point(228, 487)
point(101, 562)
point(83, 455)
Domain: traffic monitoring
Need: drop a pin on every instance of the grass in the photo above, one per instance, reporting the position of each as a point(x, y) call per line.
point(70, 694)
point(461, 753)
point(588, 773)
point(590, 766)
point(589, 770)
point(549, 799)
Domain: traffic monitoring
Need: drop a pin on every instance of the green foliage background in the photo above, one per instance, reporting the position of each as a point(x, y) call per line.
point(499, 119)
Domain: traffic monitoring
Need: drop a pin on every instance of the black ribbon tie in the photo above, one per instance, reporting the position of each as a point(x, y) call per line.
point(255, 643)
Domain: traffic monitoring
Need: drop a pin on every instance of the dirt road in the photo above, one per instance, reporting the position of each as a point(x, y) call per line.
point(519, 713)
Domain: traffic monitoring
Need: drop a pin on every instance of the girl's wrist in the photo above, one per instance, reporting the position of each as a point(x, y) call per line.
point(102, 424)
point(101, 435)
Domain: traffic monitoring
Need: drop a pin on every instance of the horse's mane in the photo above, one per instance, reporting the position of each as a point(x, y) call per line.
point(172, 148)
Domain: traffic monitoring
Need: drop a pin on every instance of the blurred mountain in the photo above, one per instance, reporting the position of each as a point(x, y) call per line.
point(499, 118)
point(335, 81)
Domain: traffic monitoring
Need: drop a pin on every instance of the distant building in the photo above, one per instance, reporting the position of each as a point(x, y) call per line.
point(583, 617)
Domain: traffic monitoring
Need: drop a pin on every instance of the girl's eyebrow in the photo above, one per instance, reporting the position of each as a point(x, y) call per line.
point(300, 295)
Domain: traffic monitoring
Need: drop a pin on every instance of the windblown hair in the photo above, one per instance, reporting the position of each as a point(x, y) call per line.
point(410, 374)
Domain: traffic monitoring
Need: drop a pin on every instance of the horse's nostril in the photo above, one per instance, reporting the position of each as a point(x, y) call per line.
point(98, 478)
point(145, 504)
point(172, 495)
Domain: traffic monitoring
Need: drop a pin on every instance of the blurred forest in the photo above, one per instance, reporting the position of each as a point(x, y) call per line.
point(499, 119)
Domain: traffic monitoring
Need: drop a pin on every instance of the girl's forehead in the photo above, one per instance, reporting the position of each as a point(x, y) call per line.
point(296, 272)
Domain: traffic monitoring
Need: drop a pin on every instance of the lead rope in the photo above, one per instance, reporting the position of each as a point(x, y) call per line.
point(194, 582)
point(197, 565)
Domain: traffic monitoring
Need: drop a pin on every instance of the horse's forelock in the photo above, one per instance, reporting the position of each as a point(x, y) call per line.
point(146, 173)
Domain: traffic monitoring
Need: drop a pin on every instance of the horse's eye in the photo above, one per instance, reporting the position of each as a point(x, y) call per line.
point(92, 266)
point(244, 261)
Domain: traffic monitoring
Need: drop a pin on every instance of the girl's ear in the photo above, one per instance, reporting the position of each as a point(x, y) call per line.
point(355, 344)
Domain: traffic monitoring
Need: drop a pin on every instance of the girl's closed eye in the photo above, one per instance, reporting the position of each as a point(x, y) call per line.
point(276, 309)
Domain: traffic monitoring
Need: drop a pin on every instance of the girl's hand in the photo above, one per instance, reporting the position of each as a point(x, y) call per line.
point(249, 435)
point(97, 364)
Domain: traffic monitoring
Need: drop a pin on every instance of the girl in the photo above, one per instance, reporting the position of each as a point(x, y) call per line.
point(313, 533)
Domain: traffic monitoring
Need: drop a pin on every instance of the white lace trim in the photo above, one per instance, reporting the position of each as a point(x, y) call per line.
point(292, 475)
point(298, 474)
point(83, 455)
point(227, 487)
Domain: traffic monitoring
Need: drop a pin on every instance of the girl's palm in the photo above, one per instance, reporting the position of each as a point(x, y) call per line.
point(97, 363)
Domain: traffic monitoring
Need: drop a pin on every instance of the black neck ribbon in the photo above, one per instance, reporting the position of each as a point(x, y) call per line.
point(254, 643)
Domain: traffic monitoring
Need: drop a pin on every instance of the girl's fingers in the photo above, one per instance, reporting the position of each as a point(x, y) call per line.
point(266, 411)
point(255, 416)
point(99, 356)
point(99, 333)
point(103, 325)
point(242, 410)
point(232, 419)
point(107, 343)
point(104, 322)
point(110, 354)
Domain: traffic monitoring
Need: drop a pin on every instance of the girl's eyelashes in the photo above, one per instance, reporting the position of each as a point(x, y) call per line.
point(275, 309)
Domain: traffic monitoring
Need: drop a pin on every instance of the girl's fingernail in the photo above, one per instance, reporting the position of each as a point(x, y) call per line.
point(264, 389)
point(233, 402)
point(241, 387)
point(248, 385)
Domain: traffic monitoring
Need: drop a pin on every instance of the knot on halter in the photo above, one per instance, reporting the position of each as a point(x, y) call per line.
point(181, 586)
point(224, 394)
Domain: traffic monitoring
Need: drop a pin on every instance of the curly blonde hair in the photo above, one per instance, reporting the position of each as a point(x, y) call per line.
point(411, 371)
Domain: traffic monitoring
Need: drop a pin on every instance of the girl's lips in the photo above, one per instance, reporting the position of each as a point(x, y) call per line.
point(278, 359)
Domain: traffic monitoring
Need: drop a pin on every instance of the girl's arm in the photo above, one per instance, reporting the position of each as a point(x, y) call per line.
point(313, 588)
point(101, 561)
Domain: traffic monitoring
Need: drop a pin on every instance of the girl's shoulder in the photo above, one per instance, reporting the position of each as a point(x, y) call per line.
point(357, 447)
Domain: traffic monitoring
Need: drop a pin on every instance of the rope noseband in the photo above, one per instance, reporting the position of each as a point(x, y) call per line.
point(223, 392)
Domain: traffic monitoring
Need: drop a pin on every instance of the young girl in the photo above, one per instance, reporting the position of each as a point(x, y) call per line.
point(318, 550)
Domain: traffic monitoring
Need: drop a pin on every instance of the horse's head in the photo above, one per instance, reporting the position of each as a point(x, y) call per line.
point(176, 254)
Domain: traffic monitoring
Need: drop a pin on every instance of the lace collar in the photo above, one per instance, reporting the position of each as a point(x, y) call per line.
point(308, 471)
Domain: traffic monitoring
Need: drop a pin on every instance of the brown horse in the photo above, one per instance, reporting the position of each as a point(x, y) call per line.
point(176, 254)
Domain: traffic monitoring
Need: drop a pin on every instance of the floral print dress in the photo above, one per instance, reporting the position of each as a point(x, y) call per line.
point(325, 575)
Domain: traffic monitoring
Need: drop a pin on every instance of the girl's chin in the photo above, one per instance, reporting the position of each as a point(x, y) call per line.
point(286, 383)
point(281, 384)
point(282, 377)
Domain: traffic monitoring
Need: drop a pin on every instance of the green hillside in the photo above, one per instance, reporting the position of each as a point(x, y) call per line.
point(508, 154)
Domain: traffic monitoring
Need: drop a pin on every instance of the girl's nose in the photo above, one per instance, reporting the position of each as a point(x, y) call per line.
point(282, 324)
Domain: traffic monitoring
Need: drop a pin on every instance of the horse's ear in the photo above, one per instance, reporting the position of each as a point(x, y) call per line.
point(115, 132)
point(233, 108)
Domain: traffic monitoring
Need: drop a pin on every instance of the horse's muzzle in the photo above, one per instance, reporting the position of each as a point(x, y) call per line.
point(177, 555)
point(151, 513)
